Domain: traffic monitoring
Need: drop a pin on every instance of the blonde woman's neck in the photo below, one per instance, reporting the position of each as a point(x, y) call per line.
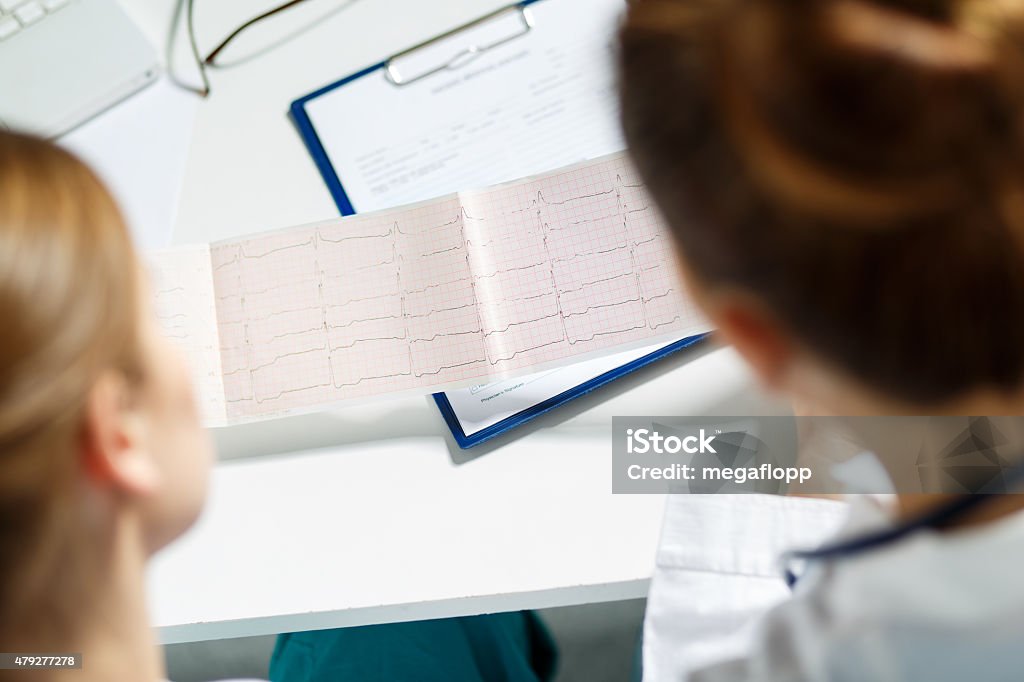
point(112, 632)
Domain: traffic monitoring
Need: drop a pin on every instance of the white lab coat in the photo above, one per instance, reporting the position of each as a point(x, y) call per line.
point(932, 607)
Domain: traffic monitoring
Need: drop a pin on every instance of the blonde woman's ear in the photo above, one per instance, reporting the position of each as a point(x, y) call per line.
point(113, 440)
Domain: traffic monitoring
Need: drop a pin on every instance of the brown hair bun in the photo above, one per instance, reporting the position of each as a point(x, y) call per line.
point(858, 165)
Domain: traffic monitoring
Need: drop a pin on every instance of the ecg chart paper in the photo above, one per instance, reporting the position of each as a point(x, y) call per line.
point(185, 309)
point(474, 286)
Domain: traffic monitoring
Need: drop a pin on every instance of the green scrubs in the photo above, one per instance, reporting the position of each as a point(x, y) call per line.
point(501, 647)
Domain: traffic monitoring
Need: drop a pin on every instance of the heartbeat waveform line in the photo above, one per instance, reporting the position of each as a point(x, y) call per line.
point(436, 286)
point(584, 285)
point(367, 339)
point(241, 252)
point(440, 251)
point(473, 283)
point(504, 238)
point(507, 270)
point(619, 180)
point(521, 351)
point(389, 261)
point(451, 222)
point(364, 319)
point(276, 313)
point(440, 334)
point(444, 367)
point(282, 356)
point(575, 223)
point(516, 324)
point(340, 240)
point(296, 333)
point(604, 333)
point(253, 293)
point(283, 392)
point(530, 297)
point(541, 199)
point(360, 300)
point(668, 322)
point(602, 305)
point(595, 252)
point(360, 380)
point(647, 241)
point(648, 299)
point(433, 311)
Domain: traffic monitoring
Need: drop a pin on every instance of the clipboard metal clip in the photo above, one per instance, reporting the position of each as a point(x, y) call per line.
point(440, 54)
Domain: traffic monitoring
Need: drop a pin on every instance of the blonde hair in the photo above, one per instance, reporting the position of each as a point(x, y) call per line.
point(69, 305)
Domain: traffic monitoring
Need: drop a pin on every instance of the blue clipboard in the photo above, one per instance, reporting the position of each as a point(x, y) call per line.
point(467, 441)
point(316, 149)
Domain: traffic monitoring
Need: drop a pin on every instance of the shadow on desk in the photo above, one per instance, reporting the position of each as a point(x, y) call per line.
point(419, 418)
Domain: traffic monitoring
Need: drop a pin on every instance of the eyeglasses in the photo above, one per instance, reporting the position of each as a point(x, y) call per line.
point(210, 59)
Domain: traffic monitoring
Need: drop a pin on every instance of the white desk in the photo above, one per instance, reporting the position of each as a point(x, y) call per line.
point(368, 515)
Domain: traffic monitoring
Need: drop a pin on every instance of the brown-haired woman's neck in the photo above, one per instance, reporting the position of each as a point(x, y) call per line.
point(839, 395)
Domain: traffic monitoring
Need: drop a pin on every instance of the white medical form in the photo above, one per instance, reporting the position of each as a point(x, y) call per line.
point(542, 100)
point(527, 92)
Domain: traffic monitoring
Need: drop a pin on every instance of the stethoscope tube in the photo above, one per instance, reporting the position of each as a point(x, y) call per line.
point(937, 518)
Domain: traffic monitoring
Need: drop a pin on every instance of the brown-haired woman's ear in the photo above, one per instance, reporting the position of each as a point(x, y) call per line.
point(743, 322)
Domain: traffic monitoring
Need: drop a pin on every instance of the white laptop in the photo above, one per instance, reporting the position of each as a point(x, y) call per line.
point(63, 61)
